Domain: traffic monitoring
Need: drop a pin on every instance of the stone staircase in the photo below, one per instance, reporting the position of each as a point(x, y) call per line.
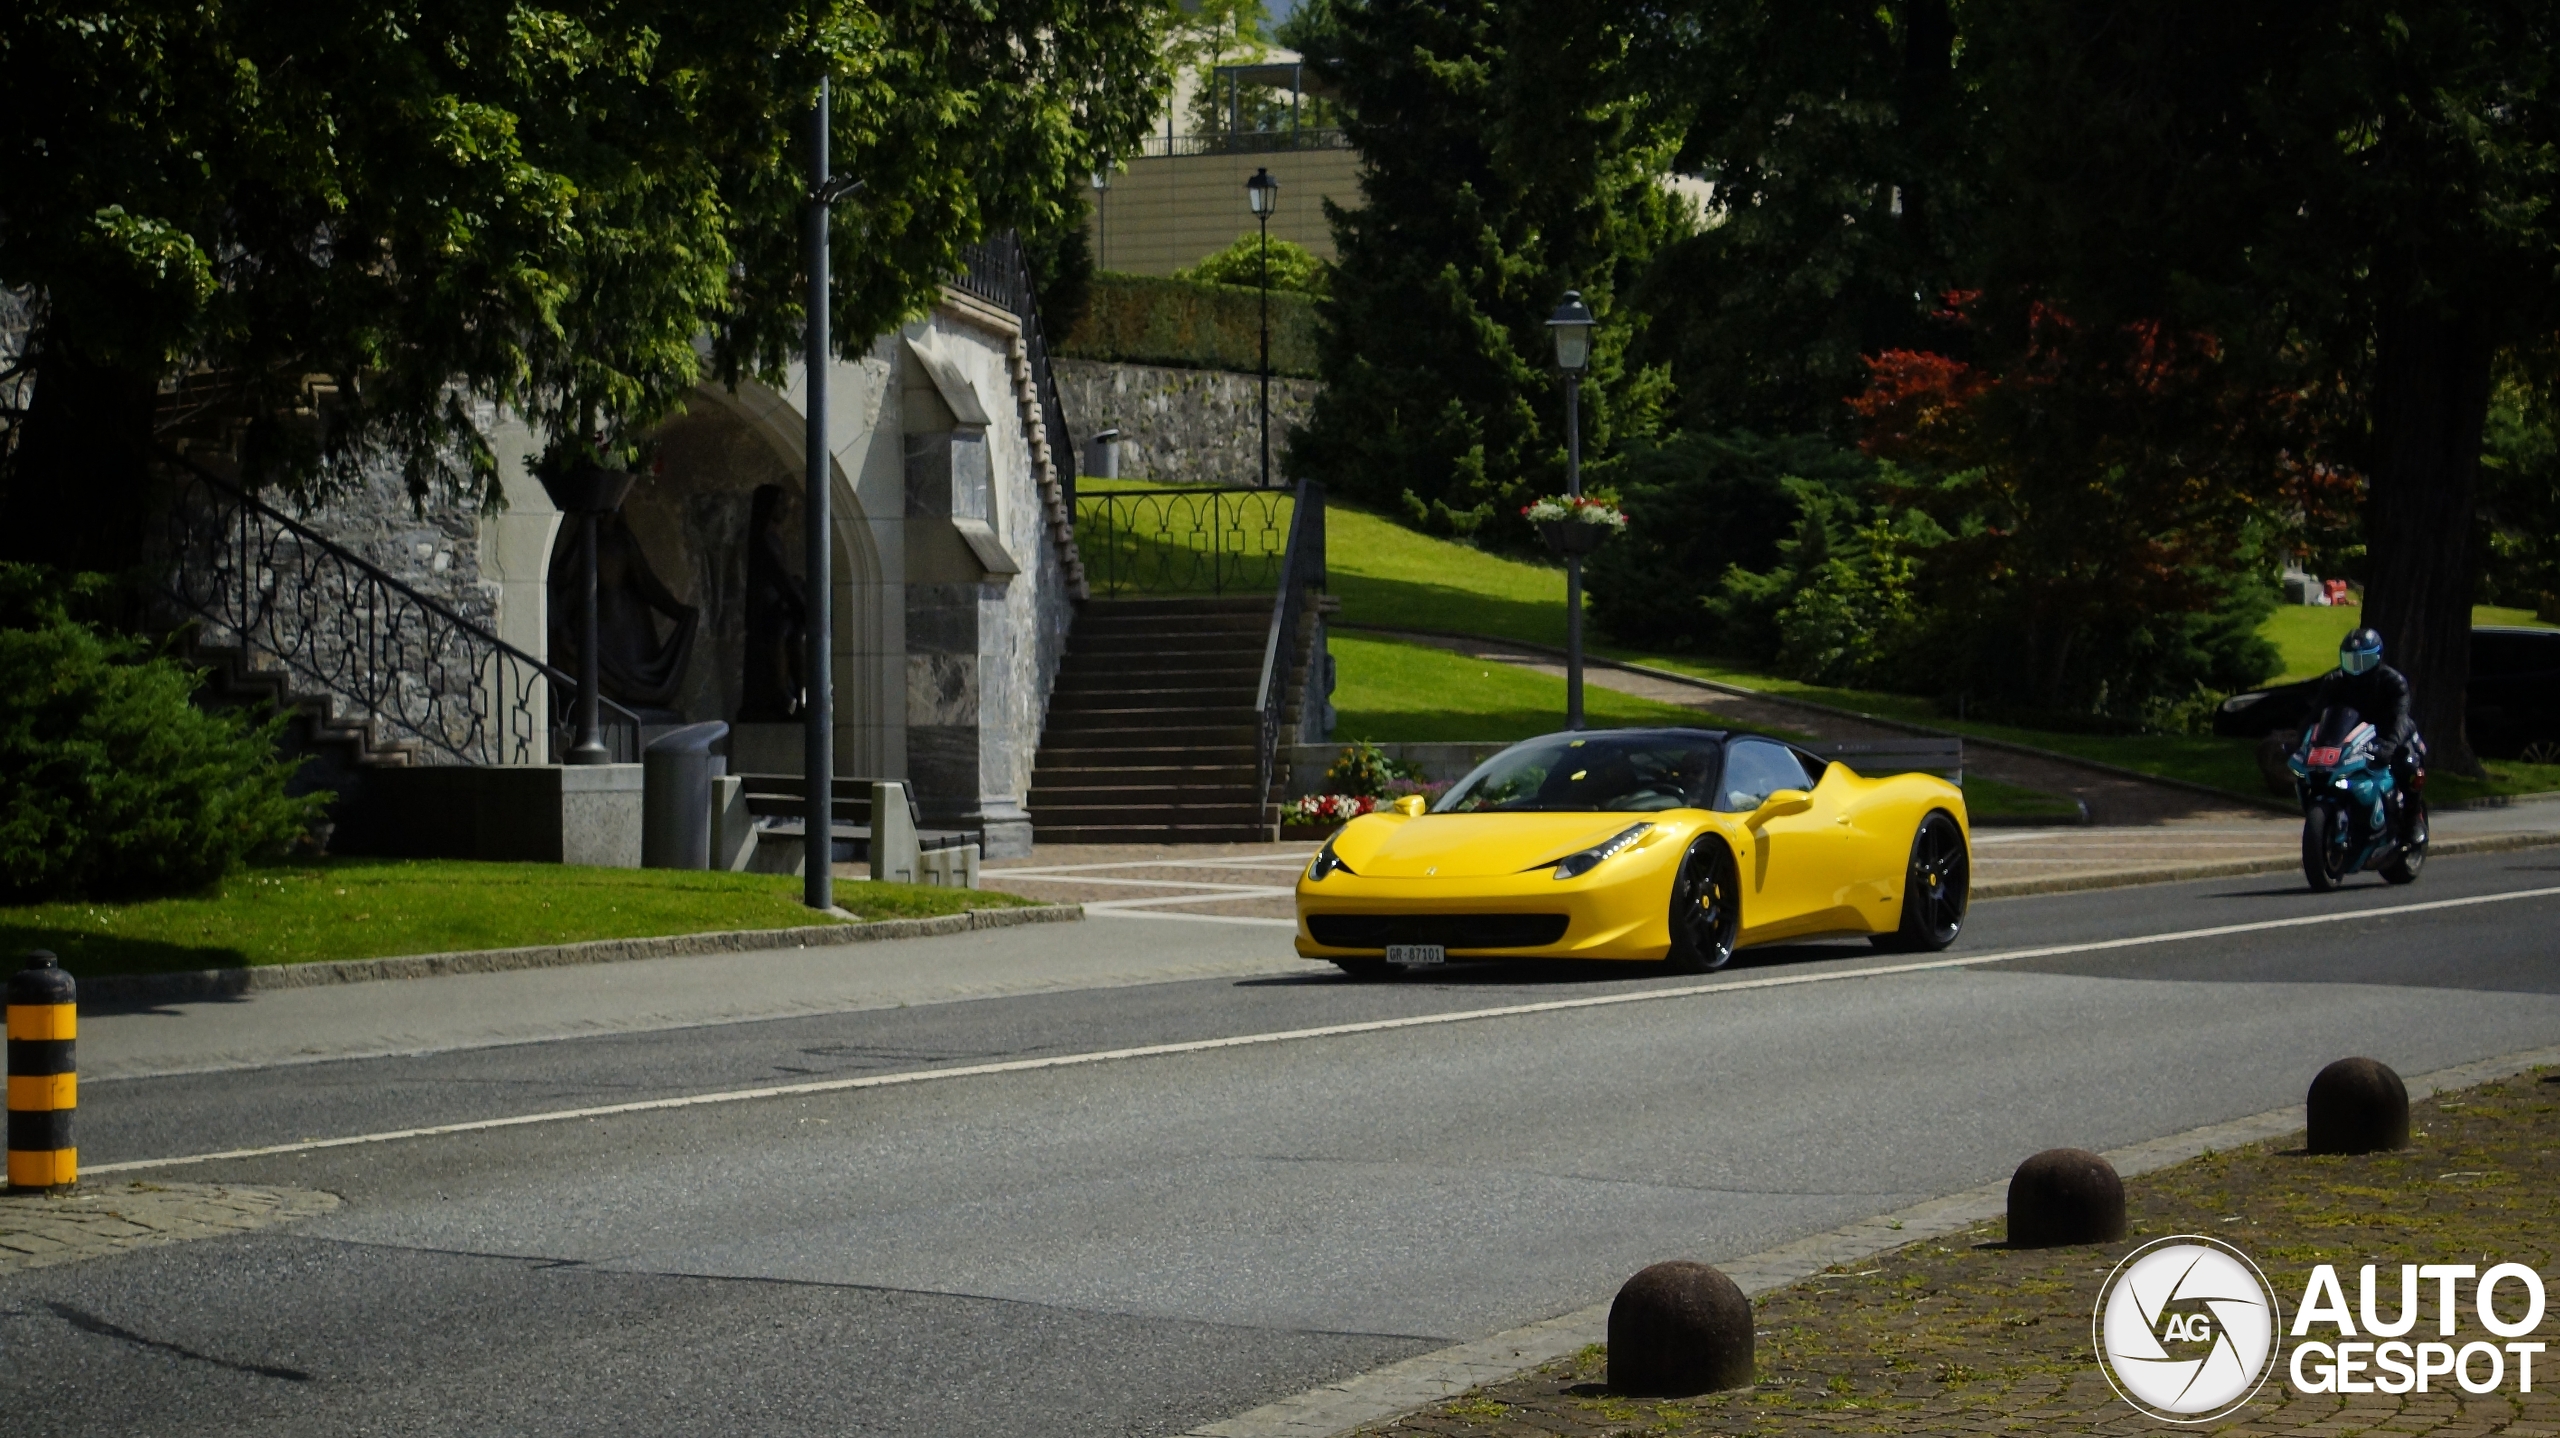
point(1153, 736)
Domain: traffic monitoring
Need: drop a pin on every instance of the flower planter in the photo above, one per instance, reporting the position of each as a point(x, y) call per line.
point(588, 489)
point(1573, 537)
point(1308, 831)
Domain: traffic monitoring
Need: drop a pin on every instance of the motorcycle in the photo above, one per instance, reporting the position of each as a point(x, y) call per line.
point(2354, 816)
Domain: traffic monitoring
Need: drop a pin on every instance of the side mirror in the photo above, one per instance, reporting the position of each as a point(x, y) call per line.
point(1780, 804)
point(1411, 806)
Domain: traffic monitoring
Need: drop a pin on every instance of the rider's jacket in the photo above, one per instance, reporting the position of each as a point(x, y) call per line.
point(2381, 695)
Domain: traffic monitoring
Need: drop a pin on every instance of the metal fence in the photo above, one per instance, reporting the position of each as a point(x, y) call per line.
point(1183, 541)
point(340, 630)
point(1243, 142)
point(998, 272)
point(1301, 576)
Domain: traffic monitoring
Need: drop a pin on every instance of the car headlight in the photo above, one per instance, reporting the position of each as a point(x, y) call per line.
point(1325, 863)
point(2238, 702)
point(1575, 865)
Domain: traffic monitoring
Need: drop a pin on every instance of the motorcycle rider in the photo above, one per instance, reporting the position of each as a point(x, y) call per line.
point(2380, 694)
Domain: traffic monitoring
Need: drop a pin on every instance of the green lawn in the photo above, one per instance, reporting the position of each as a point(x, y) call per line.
point(1394, 692)
point(1390, 577)
point(2308, 636)
point(370, 908)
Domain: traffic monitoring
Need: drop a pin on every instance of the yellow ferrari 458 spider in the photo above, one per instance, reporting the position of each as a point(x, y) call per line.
point(1672, 845)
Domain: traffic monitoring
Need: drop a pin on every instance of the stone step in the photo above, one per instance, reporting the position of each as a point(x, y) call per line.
point(1134, 715)
point(1138, 789)
point(1235, 739)
point(1225, 646)
point(1213, 623)
point(1211, 775)
point(1175, 604)
point(1191, 685)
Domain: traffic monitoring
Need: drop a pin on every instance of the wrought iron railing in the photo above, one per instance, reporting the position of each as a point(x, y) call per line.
point(1302, 575)
point(341, 630)
point(998, 272)
point(1243, 142)
point(1183, 541)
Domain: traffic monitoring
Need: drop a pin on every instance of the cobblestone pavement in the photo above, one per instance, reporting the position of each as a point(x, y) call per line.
point(1964, 1335)
point(95, 1219)
point(1249, 883)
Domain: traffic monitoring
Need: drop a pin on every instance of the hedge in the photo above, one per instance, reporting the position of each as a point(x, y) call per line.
point(1141, 319)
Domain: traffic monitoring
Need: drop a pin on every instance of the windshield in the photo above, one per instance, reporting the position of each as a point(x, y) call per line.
point(1636, 772)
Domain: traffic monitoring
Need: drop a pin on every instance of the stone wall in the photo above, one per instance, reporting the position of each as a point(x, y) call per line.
point(1180, 426)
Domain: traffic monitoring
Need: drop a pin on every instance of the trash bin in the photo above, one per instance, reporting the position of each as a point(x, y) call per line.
point(676, 771)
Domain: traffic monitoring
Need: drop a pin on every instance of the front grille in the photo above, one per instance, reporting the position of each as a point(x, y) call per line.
point(1450, 931)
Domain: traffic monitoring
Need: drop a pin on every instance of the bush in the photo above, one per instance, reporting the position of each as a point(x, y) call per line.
point(1698, 505)
point(1293, 266)
point(113, 784)
point(1140, 319)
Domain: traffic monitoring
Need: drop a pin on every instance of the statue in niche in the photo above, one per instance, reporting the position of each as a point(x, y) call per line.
point(776, 689)
point(636, 666)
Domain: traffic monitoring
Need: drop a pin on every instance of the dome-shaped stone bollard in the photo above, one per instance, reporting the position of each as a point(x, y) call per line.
point(2064, 1196)
point(1679, 1328)
point(2357, 1106)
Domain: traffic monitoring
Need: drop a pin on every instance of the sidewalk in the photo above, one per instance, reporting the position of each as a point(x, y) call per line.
point(1960, 1334)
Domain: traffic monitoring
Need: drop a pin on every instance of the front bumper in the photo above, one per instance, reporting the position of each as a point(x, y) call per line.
point(1620, 910)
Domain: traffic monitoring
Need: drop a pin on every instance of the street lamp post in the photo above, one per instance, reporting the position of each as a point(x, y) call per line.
point(1263, 193)
point(818, 738)
point(1102, 219)
point(1571, 326)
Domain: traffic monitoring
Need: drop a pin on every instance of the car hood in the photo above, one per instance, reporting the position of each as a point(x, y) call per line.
point(1462, 846)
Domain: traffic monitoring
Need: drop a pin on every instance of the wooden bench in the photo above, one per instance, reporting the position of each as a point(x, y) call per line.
point(1918, 754)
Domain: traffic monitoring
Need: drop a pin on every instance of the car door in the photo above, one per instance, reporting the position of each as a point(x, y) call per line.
point(1789, 875)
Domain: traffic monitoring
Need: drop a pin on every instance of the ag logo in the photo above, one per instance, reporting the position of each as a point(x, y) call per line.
point(2186, 1328)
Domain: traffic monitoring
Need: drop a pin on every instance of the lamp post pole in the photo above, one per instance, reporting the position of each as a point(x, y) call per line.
point(1571, 327)
point(818, 714)
point(1263, 193)
point(818, 745)
point(590, 746)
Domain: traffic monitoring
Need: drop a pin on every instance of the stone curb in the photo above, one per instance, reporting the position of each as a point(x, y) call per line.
point(2098, 766)
point(2233, 868)
point(1336, 1408)
point(229, 983)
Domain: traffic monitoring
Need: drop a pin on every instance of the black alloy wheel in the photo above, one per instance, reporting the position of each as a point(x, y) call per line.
point(1706, 909)
point(1935, 889)
point(2413, 853)
point(2325, 838)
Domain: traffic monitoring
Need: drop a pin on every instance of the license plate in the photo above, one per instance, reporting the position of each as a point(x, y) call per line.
point(2324, 758)
point(1417, 954)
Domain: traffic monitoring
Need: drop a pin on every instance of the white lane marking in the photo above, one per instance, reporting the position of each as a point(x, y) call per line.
point(1327, 1031)
point(1123, 905)
point(1133, 883)
point(1093, 912)
point(1151, 864)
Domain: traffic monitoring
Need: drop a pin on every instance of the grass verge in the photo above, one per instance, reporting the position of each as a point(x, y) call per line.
point(372, 908)
point(1963, 1335)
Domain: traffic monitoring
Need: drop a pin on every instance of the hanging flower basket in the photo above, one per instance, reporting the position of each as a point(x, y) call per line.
point(1574, 525)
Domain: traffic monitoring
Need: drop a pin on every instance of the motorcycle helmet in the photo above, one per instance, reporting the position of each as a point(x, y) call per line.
point(2360, 651)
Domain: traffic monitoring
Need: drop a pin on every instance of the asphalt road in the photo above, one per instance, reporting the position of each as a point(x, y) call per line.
point(1141, 1245)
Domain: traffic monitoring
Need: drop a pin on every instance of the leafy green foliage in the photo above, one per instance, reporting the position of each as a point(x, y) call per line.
point(113, 784)
point(1291, 266)
point(2520, 501)
point(1697, 505)
point(1507, 157)
point(1146, 320)
point(439, 206)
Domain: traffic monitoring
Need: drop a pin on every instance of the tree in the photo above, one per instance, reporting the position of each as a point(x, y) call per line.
point(1506, 159)
point(348, 226)
point(1248, 262)
point(2340, 189)
point(1836, 138)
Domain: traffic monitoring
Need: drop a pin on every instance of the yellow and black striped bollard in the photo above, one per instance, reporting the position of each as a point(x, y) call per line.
point(44, 1083)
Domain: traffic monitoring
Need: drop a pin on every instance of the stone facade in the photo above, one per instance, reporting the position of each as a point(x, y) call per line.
point(1181, 426)
point(953, 587)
